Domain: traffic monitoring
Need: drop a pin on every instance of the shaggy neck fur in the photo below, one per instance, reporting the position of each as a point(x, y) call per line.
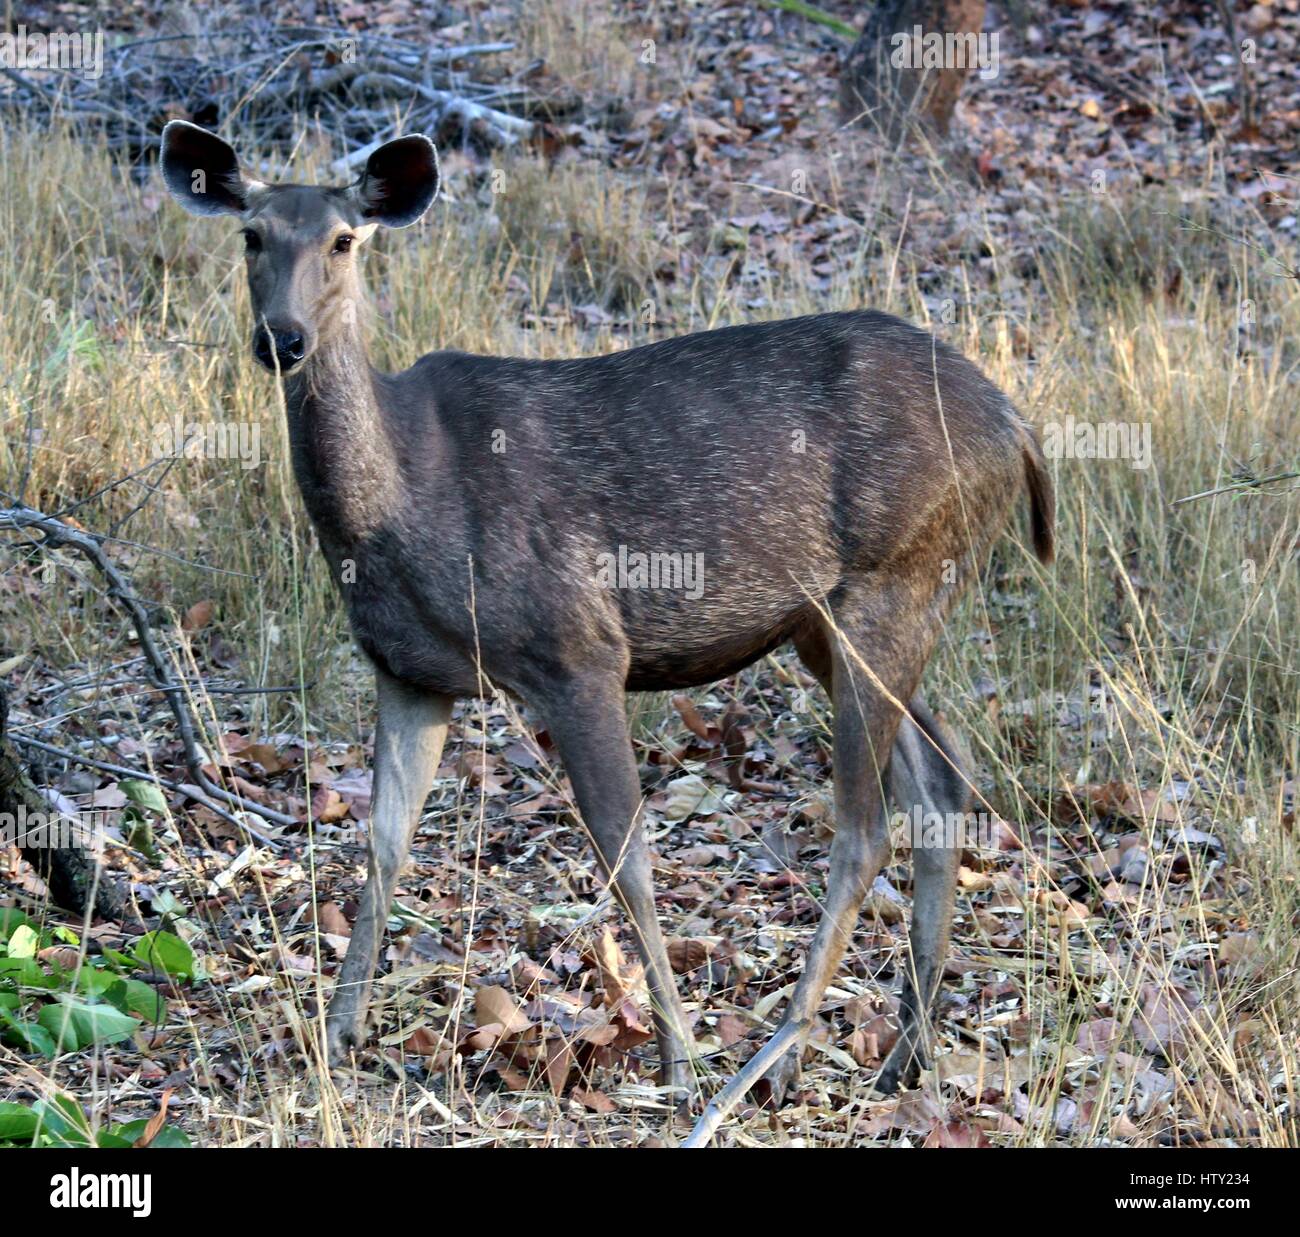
point(344, 455)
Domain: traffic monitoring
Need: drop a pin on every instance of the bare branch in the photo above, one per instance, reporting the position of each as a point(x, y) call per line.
point(57, 533)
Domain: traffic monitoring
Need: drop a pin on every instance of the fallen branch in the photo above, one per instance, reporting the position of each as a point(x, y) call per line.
point(56, 533)
point(273, 76)
point(731, 1095)
point(503, 127)
point(183, 788)
point(452, 104)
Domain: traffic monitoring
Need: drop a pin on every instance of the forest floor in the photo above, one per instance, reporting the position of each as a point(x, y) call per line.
point(1104, 235)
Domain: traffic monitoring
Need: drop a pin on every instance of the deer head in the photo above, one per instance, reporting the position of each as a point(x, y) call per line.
point(300, 241)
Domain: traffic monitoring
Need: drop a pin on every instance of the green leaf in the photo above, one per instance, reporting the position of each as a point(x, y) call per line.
point(78, 1024)
point(17, 1123)
point(23, 942)
point(10, 1001)
point(25, 973)
point(810, 12)
point(140, 833)
point(63, 1123)
point(133, 997)
point(29, 1036)
point(164, 902)
point(168, 1136)
point(79, 341)
point(164, 951)
point(94, 981)
point(121, 960)
point(11, 919)
point(47, 1123)
point(145, 794)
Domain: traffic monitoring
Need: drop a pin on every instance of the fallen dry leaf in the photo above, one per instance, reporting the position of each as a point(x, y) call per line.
point(198, 616)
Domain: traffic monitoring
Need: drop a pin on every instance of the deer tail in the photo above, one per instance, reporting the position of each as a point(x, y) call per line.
point(1042, 497)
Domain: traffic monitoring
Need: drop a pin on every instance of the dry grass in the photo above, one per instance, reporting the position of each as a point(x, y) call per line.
point(585, 46)
point(1160, 652)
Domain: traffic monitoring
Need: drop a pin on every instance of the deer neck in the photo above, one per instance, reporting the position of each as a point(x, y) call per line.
point(344, 456)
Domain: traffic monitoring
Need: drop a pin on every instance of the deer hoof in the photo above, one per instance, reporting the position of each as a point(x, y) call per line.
point(342, 1038)
point(901, 1070)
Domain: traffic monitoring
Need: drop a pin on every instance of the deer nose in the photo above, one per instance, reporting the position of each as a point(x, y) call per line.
point(279, 348)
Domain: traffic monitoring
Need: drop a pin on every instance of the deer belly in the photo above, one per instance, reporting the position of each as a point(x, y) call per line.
point(675, 640)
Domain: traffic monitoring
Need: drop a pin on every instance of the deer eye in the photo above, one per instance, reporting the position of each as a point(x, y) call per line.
point(252, 242)
point(344, 243)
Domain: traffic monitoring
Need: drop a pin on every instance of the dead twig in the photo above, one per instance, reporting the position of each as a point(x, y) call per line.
point(1237, 487)
point(184, 788)
point(56, 533)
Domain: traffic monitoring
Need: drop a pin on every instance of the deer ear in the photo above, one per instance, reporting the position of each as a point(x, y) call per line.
point(400, 182)
point(201, 171)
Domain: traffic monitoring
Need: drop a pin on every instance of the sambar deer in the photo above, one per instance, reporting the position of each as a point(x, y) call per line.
point(842, 475)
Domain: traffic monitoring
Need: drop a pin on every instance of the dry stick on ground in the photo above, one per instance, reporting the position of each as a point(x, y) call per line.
point(56, 533)
point(274, 73)
point(192, 793)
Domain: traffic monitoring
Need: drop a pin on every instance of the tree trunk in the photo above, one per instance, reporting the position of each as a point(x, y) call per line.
point(71, 873)
point(884, 83)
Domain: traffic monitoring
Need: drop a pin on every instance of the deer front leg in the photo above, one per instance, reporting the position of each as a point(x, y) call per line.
point(409, 736)
point(589, 726)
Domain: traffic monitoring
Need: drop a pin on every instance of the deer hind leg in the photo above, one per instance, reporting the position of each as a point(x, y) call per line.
point(876, 663)
point(587, 719)
point(926, 778)
point(409, 737)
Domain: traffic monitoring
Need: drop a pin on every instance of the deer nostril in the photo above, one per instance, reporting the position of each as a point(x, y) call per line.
point(289, 347)
point(277, 349)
